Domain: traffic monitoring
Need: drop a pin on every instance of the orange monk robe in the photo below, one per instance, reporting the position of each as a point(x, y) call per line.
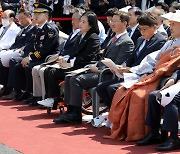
point(129, 106)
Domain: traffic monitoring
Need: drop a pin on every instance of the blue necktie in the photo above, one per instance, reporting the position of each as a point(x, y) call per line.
point(129, 32)
point(141, 48)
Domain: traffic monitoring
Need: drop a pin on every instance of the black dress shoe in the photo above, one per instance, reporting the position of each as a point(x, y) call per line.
point(5, 91)
point(72, 118)
point(23, 96)
point(18, 93)
point(32, 101)
point(12, 95)
point(150, 139)
point(60, 120)
point(170, 144)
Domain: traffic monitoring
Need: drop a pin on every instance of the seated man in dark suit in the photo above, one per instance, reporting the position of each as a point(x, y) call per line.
point(149, 42)
point(133, 29)
point(21, 40)
point(119, 49)
point(170, 122)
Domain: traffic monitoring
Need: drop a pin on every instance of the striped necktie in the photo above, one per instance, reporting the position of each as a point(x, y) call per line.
point(3, 32)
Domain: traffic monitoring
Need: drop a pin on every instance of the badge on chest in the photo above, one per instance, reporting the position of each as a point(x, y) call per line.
point(42, 37)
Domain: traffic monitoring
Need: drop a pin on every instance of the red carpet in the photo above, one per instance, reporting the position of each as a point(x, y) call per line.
point(31, 131)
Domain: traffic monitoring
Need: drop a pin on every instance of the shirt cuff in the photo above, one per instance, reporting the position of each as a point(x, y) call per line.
point(66, 57)
point(30, 58)
point(72, 61)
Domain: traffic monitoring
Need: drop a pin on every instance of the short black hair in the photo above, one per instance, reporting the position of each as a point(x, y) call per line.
point(163, 5)
point(111, 11)
point(123, 16)
point(92, 20)
point(137, 10)
point(147, 19)
point(26, 12)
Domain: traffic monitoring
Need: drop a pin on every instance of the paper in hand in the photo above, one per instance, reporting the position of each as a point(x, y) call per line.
point(109, 63)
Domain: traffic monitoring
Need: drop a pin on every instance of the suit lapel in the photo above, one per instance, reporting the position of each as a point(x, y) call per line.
point(71, 40)
point(119, 40)
point(151, 41)
point(82, 42)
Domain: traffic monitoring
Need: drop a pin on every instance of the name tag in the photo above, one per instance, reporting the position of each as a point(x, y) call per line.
point(42, 37)
point(23, 34)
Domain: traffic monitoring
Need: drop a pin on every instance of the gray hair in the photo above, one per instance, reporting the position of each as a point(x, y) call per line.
point(79, 11)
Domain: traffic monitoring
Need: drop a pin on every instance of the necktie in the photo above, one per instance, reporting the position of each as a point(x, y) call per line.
point(113, 39)
point(141, 47)
point(3, 32)
point(129, 32)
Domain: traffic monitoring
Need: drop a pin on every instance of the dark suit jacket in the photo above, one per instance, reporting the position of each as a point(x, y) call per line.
point(86, 50)
point(110, 35)
point(22, 38)
point(68, 48)
point(178, 75)
point(135, 35)
point(154, 44)
point(119, 51)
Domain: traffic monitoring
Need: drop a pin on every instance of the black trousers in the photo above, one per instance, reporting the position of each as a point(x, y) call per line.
point(4, 71)
point(19, 77)
point(52, 78)
point(74, 87)
point(170, 114)
point(107, 89)
point(11, 79)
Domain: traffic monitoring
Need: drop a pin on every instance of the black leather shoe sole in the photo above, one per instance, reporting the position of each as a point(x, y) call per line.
point(149, 139)
point(73, 121)
point(169, 145)
point(60, 120)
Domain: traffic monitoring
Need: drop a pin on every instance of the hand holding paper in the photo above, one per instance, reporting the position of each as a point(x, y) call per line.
point(109, 63)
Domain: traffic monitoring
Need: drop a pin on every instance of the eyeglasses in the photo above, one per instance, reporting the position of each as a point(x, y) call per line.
point(143, 29)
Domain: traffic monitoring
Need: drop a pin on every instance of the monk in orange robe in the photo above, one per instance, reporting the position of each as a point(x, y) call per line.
point(129, 106)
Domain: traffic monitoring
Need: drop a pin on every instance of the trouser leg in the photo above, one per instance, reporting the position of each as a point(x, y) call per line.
point(103, 92)
point(67, 89)
point(36, 81)
point(170, 122)
point(78, 83)
point(4, 72)
point(29, 82)
point(111, 91)
point(41, 74)
point(153, 113)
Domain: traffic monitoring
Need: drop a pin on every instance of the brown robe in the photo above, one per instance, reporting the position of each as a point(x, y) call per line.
point(129, 106)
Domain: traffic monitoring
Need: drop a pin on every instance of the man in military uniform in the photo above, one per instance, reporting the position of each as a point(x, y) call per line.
point(45, 41)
